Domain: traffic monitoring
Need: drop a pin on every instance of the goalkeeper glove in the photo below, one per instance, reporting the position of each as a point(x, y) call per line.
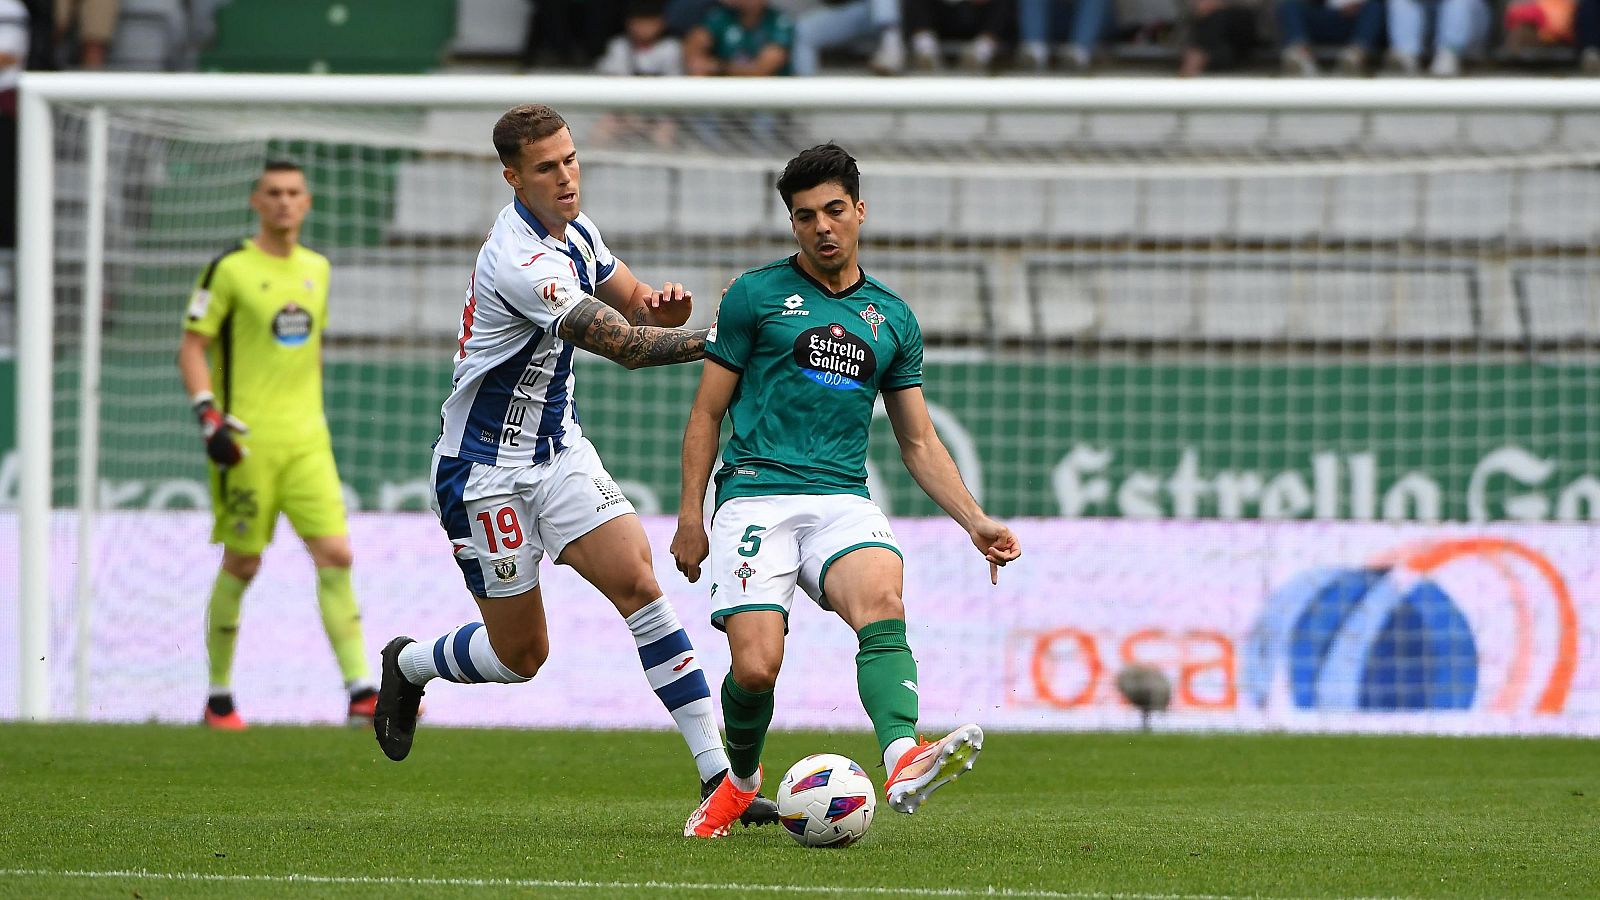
point(217, 430)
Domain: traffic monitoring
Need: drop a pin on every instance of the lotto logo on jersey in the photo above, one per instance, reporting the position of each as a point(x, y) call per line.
point(834, 358)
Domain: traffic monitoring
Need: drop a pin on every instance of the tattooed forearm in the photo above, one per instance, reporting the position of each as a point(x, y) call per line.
point(603, 331)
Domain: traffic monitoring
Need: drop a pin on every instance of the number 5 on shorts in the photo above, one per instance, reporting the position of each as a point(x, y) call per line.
point(510, 528)
point(750, 544)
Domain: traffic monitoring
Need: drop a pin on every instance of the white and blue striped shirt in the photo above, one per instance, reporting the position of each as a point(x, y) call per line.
point(511, 403)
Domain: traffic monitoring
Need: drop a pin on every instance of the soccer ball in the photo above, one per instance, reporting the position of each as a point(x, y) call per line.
point(825, 800)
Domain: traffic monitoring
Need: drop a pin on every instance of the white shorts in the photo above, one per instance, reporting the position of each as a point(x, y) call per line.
point(503, 519)
point(762, 547)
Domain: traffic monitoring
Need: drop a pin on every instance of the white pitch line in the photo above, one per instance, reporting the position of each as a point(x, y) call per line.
point(405, 881)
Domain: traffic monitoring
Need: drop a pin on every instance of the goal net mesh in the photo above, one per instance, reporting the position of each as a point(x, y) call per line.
point(1214, 316)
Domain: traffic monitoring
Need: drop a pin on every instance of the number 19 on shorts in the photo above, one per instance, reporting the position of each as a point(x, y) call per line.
point(504, 521)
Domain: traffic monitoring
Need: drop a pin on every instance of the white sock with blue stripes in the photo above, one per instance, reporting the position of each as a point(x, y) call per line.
point(462, 655)
point(669, 661)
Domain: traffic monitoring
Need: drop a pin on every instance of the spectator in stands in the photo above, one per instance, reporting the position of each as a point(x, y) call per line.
point(981, 22)
point(1458, 28)
point(840, 23)
point(570, 33)
point(1221, 35)
point(742, 38)
point(1355, 25)
point(97, 23)
point(643, 48)
point(14, 39)
point(684, 15)
point(1076, 27)
point(1587, 28)
point(41, 35)
point(1536, 23)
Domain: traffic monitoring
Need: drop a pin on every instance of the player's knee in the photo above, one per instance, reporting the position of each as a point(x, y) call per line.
point(242, 566)
point(337, 558)
point(527, 659)
point(636, 591)
point(886, 604)
point(757, 675)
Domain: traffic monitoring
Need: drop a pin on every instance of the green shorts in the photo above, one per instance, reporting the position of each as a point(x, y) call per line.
point(300, 482)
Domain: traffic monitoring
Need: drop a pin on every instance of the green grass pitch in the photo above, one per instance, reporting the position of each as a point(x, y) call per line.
point(149, 811)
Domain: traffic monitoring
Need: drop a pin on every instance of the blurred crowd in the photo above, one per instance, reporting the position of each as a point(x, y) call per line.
point(1302, 38)
point(889, 37)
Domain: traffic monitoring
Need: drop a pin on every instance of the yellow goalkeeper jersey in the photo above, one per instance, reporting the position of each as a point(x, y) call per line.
point(265, 315)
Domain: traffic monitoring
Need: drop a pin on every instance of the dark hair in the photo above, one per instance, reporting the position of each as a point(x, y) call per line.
point(523, 125)
point(276, 165)
point(819, 165)
point(645, 9)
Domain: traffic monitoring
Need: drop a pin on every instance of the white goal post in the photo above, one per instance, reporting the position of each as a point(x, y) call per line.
point(43, 95)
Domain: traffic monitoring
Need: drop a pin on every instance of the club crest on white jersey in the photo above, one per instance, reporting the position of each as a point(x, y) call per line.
point(511, 401)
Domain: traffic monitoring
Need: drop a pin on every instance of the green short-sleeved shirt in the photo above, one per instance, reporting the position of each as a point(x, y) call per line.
point(265, 314)
point(812, 363)
point(732, 41)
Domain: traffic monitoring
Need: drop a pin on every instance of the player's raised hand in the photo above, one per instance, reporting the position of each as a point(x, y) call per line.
point(670, 306)
point(690, 548)
point(217, 429)
point(997, 544)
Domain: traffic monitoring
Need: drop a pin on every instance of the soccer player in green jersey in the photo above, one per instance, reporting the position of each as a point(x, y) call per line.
point(799, 352)
point(252, 352)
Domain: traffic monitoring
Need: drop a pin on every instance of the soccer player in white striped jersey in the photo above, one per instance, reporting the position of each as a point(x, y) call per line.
point(514, 478)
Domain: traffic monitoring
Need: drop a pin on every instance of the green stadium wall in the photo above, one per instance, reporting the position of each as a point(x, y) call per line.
point(1370, 441)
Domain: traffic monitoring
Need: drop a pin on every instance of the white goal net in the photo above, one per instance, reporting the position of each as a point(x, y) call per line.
point(1320, 306)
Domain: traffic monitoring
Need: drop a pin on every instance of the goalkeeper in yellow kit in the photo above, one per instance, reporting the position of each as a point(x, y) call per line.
point(252, 353)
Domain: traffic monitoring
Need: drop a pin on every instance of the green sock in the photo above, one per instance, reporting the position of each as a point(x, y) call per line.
point(342, 620)
point(745, 718)
point(222, 626)
point(886, 676)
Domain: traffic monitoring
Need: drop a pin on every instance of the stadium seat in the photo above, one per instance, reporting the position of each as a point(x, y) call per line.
point(1342, 305)
point(1401, 130)
point(490, 27)
point(1151, 129)
point(1374, 207)
point(950, 297)
point(1560, 301)
point(1434, 304)
point(1309, 130)
point(347, 36)
point(723, 203)
point(1106, 208)
point(1066, 303)
point(998, 207)
point(939, 130)
point(1545, 213)
point(1282, 209)
point(388, 294)
point(1510, 132)
point(446, 198)
point(1230, 131)
point(1244, 304)
point(906, 206)
point(1188, 208)
point(1048, 129)
point(1466, 206)
point(628, 199)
